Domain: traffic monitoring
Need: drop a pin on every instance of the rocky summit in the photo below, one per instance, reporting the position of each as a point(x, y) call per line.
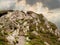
point(30, 28)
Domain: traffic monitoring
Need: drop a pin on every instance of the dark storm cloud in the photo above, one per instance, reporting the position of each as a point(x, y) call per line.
point(52, 4)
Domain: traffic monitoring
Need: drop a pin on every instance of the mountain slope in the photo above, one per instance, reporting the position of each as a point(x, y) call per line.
point(33, 28)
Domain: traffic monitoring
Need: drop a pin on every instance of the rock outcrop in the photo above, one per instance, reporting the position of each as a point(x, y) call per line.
point(33, 27)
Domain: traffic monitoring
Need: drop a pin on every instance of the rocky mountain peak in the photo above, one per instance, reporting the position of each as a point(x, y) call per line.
point(34, 28)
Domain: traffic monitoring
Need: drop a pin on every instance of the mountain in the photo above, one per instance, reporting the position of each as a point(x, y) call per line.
point(30, 28)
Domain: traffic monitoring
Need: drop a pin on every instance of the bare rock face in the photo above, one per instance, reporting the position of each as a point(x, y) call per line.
point(20, 28)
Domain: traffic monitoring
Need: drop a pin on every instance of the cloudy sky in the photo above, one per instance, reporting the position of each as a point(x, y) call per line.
point(50, 8)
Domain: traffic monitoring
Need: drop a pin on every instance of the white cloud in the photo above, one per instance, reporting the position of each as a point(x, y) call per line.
point(6, 4)
point(38, 7)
